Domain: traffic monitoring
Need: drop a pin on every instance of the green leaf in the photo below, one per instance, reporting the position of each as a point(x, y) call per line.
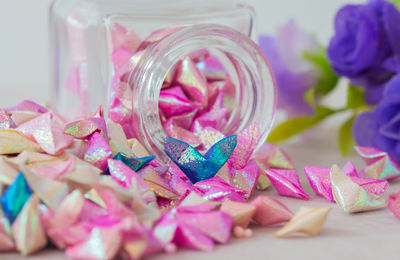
point(355, 97)
point(345, 136)
point(328, 79)
point(322, 112)
point(309, 97)
point(396, 3)
point(298, 125)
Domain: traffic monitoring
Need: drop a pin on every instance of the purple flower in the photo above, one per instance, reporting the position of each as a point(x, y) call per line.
point(366, 45)
point(294, 75)
point(381, 128)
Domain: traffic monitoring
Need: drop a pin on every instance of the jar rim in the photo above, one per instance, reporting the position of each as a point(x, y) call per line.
point(158, 58)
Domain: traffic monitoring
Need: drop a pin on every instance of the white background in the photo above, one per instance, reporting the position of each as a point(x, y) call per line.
point(24, 51)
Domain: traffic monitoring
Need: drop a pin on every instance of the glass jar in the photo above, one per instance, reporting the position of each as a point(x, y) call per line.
point(101, 45)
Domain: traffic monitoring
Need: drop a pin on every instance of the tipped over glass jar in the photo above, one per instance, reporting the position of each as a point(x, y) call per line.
point(161, 67)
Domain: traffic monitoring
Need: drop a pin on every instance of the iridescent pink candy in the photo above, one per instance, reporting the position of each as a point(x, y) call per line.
point(216, 189)
point(5, 120)
point(6, 241)
point(380, 165)
point(245, 178)
point(247, 141)
point(47, 132)
point(173, 101)
point(192, 81)
point(82, 129)
point(98, 151)
point(394, 204)
point(287, 183)
point(270, 211)
point(194, 226)
point(56, 171)
point(128, 178)
point(320, 181)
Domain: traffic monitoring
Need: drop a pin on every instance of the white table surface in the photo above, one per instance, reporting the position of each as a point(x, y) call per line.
point(368, 235)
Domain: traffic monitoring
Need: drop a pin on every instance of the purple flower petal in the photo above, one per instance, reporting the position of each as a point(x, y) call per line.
point(364, 129)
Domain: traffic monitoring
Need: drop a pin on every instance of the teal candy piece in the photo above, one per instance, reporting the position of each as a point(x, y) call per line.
point(133, 163)
point(15, 197)
point(196, 166)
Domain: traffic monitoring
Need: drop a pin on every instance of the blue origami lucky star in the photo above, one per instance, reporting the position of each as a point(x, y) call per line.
point(196, 166)
point(133, 163)
point(15, 197)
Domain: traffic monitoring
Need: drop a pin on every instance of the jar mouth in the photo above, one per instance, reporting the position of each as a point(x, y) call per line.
point(255, 97)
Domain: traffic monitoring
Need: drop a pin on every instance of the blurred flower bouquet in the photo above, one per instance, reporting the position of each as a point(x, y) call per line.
point(365, 49)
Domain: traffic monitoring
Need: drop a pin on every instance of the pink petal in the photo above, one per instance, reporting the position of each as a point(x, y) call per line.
point(287, 183)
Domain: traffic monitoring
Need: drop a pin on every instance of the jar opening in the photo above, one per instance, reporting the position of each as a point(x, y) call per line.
point(199, 95)
point(177, 73)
